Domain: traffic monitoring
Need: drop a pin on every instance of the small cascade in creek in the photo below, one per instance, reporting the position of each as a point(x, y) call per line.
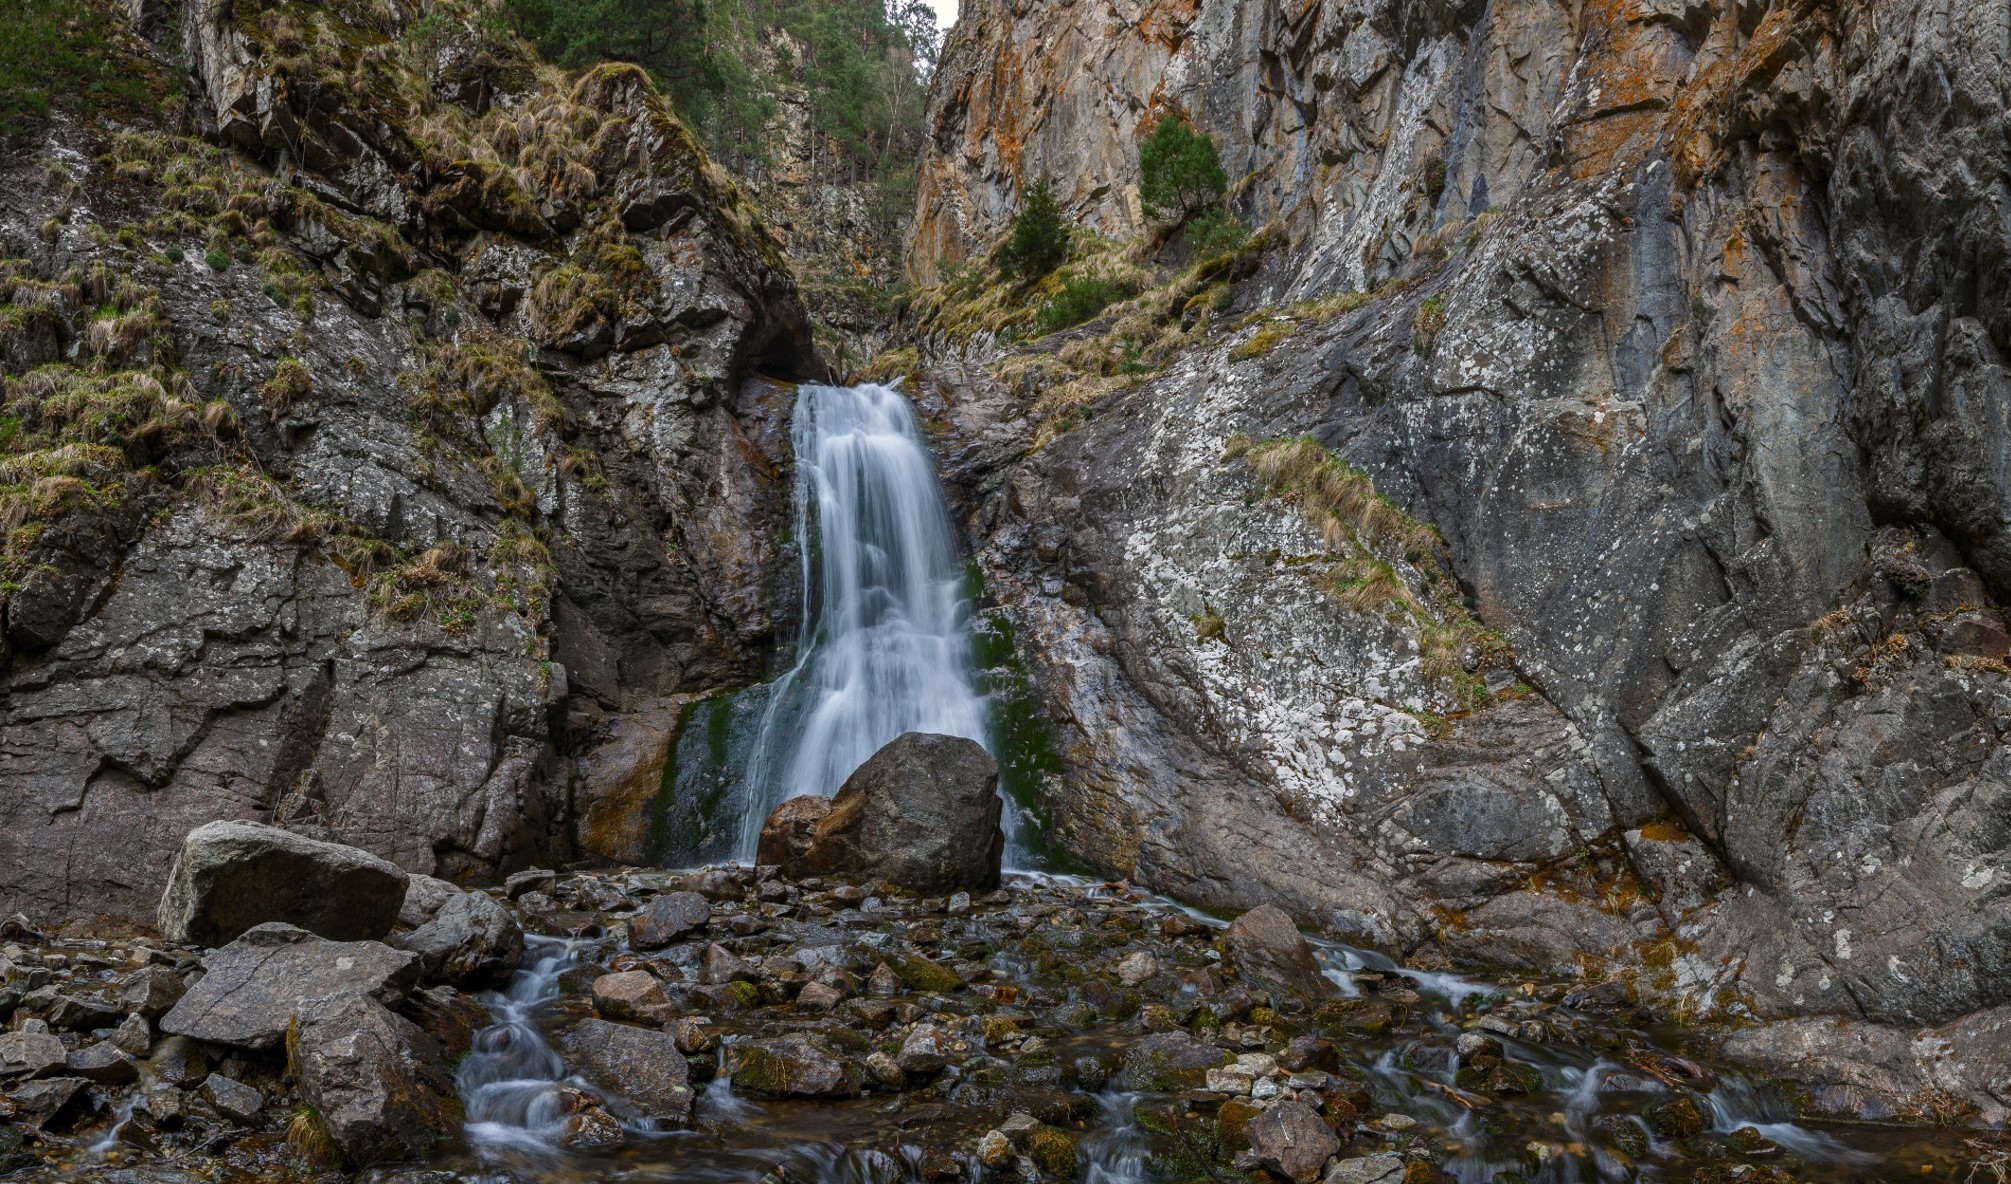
point(510, 1080)
point(885, 639)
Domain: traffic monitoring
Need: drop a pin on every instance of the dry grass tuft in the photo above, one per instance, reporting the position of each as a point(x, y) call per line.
point(1379, 545)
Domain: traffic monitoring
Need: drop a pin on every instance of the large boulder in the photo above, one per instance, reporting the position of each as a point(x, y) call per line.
point(464, 938)
point(923, 813)
point(231, 876)
point(642, 1065)
point(379, 1084)
point(253, 988)
point(1267, 946)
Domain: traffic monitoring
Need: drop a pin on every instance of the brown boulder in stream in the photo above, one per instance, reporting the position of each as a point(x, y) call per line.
point(923, 813)
point(1266, 945)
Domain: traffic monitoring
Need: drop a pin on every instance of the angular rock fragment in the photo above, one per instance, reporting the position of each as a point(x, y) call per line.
point(232, 1098)
point(380, 1085)
point(633, 995)
point(642, 1066)
point(256, 986)
point(666, 918)
point(104, 1063)
point(1291, 1140)
point(151, 991)
point(51, 1103)
point(1267, 946)
point(231, 876)
point(464, 938)
point(31, 1054)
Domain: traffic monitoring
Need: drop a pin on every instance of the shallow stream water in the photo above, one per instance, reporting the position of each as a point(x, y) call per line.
point(887, 631)
point(1593, 1070)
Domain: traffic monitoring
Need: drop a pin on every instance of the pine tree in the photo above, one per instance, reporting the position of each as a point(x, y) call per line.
point(1179, 173)
point(1039, 241)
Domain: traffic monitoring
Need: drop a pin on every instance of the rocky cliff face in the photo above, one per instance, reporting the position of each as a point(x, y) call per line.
point(387, 449)
point(843, 249)
point(1677, 320)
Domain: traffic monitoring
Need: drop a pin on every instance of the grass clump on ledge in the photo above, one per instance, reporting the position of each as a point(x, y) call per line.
point(56, 52)
point(1379, 544)
point(1080, 299)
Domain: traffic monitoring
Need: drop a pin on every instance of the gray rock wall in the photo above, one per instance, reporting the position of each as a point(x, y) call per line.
point(407, 602)
point(1709, 431)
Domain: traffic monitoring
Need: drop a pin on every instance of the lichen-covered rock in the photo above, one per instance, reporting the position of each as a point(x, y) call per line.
point(231, 876)
point(1168, 1062)
point(638, 1064)
point(1644, 310)
point(790, 1067)
point(254, 989)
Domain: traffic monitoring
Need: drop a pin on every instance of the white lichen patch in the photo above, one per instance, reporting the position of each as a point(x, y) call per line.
point(1323, 696)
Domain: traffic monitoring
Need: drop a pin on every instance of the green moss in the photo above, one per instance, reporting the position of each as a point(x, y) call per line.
point(72, 53)
point(1262, 342)
point(1029, 768)
point(923, 974)
point(1051, 1150)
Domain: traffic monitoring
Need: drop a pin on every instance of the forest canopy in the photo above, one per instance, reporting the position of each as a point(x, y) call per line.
point(864, 65)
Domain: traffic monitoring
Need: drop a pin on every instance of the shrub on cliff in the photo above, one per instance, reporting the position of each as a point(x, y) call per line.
point(1039, 241)
point(1179, 172)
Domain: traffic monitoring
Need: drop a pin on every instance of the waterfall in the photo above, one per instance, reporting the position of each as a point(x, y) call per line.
point(886, 621)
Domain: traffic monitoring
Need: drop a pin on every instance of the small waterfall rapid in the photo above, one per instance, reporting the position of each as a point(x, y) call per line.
point(509, 1081)
point(886, 618)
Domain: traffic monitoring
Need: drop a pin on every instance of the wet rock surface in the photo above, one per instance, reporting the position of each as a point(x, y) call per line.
point(565, 482)
point(831, 1029)
point(1643, 310)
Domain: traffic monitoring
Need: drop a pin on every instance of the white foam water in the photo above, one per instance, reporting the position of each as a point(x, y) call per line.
point(886, 619)
point(509, 1082)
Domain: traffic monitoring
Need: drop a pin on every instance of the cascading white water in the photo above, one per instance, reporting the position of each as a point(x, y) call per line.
point(886, 621)
point(509, 1082)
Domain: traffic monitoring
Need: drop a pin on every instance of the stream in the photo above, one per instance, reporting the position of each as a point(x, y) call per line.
point(886, 626)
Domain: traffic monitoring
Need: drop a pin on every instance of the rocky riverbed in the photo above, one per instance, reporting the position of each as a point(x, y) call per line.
point(732, 1024)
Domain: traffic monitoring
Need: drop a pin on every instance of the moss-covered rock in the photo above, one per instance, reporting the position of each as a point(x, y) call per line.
point(924, 974)
point(1168, 1062)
